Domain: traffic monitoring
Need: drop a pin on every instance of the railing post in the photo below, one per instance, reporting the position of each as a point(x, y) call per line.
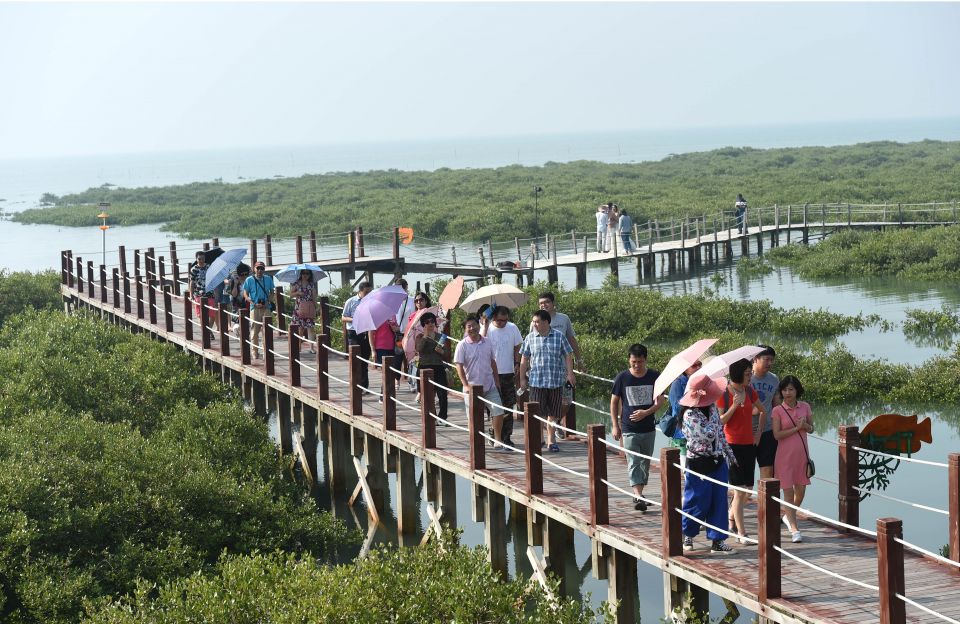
point(849, 217)
point(954, 497)
point(427, 398)
point(478, 457)
point(389, 394)
point(245, 336)
point(70, 276)
point(90, 283)
point(204, 321)
point(890, 571)
point(360, 248)
point(79, 269)
point(187, 316)
point(313, 246)
point(253, 251)
point(222, 317)
point(395, 243)
point(323, 365)
point(531, 449)
point(122, 258)
point(161, 270)
point(268, 249)
point(126, 293)
point(351, 247)
point(103, 283)
point(356, 396)
point(900, 214)
point(175, 270)
point(151, 302)
point(597, 460)
point(116, 287)
point(324, 315)
point(167, 310)
point(670, 498)
point(768, 516)
point(299, 249)
point(281, 319)
point(849, 476)
point(64, 271)
point(293, 350)
point(269, 359)
point(139, 282)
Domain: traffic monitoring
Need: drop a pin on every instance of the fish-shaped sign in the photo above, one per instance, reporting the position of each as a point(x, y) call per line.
point(887, 430)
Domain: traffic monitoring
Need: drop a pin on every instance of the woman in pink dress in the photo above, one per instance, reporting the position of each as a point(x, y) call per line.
point(792, 420)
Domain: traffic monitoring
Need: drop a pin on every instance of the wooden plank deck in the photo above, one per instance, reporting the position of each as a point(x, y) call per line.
point(808, 595)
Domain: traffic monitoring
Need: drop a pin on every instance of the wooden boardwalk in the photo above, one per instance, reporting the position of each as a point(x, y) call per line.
point(807, 594)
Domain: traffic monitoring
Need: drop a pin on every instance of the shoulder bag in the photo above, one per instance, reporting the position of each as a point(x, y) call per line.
point(811, 467)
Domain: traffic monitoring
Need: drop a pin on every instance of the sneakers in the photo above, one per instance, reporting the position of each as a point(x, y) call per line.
point(640, 505)
point(561, 435)
point(785, 523)
point(743, 539)
point(796, 538)
point(687, 542)
point(721, 547)
point(554, 448)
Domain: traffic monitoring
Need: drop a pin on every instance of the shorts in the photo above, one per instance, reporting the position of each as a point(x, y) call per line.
point(209, 301)
point(766, 450)
point(492, 395)
point(550, 400)
point(742, 473)
point(638, 468)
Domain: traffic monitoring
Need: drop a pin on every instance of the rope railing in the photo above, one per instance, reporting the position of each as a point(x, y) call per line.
point(906, 459)
point(813, 514)
point(559, 426)
point(927, 553)
point(306, 366)
point(825, 571)
point(632, 495)
point(406, 405)
point(588, 407)
point(503, 407)
point(369, 391)
point(585, 374)
point(498, 444)
point(743, 538)
point(715, 481)
point(332, 350)
point(329, 376)
point(450, 390)
point(582, 475)
point(916, 604)
point(446, 422)
point(279, 355)
point(403, 374)
point(619, 447)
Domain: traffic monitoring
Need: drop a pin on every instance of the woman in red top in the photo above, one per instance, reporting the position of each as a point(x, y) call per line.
point(737, 406)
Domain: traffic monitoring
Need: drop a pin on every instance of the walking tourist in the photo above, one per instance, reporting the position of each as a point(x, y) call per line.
point(740, 213)
point(477, 366)
point(200, 293)
point(792, 421)
point(708, 454)
point(304, 319)
point(562, 323)
point(547, 356)
point(505, 338)
point(233, 294)
point(614, 224)
point(421, 301)
point(766, 384)
point(675, 420)
point(358, 338)
point(261, 297)
point(632, 409)
point(626, 228)
point(430, 350)
point(603, 222)
point(736, 406)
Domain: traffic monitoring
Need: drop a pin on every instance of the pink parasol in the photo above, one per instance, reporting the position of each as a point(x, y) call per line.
point(720, 365)
point(415, 330)
point(450, 296)
point(680, 363)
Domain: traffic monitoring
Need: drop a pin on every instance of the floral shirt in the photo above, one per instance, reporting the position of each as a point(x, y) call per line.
point(704, 433)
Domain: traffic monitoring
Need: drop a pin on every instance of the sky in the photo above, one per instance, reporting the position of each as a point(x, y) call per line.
point(130, 78)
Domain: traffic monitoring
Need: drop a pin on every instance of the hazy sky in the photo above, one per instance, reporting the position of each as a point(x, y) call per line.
point(109, 78)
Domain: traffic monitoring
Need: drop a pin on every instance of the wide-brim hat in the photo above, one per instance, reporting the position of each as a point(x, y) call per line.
point(703, 391)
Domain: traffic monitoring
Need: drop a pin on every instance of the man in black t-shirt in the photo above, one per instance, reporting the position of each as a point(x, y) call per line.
point(632, 409)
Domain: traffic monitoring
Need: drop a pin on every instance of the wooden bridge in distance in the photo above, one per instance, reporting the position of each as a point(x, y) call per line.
point(882, 578)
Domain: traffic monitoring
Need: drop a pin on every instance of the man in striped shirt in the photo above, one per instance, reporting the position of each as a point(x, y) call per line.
point(547, 356)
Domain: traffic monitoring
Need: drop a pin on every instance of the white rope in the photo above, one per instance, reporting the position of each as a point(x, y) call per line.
point(373, 392)
point(277, 329)
point(582, 475)
point(816, 437)
point(824, 518)
point(332, 350)
point(499, 443)
point(279, 355)
point(306, 366)
point(630, 494)
point(592, 409)
point(825, 480)
point(451, 390)
point(939, 558)
point(312, 343)
point(400, 372)
point(438, 419)
point(619, 447)
point(585, 374)
point(406, 405)
point(716, 528)
point(560, 427)
point(346, 383)
point(362, 359)
point(712, 480)
point(503, 407)
point(908, 459)
point(927, 609)
point(902, 501)
point(176, 316)
point(335, 306)
point(827, 572)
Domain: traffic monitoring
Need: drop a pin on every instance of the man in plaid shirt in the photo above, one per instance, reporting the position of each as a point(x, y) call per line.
point(548, 357)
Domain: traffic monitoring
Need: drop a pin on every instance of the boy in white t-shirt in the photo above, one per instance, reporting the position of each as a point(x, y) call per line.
point(506, 340)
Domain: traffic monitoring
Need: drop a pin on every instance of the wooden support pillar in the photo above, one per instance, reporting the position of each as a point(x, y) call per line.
point(954, 505)
point(258, 394)
point(448, 497)
point(623, 587)
point(313, 246)
point(478, 443)
point(427, 422)
point(323, 365)
point(556, 547)
point(283, 422)
point(245, 337)
point(768, 521)
point(495, 530)
point(356, 395)
point(389, 390)
point(299, 249)
point(377, 474)
point(597, 461)
point(408, 494)
point(339, 464)
point(849, 475)
point(581, 270)
point(534, 465)
point(268, 250)
point(890, 571)
point(670, 494)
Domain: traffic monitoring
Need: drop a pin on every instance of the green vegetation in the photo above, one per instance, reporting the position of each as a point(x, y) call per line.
point(930, 254)
point(409, 585)
point(498, 203)
point(28, 291)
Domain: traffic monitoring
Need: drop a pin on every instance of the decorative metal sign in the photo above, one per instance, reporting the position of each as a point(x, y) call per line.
point(893, 434)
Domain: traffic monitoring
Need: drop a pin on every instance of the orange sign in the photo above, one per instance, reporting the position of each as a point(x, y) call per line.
point(888, 425)
point(406, 235)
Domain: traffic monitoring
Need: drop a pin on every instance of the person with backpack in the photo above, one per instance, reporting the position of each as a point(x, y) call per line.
point(671, 424)
point(261, 297)
point(737, 405)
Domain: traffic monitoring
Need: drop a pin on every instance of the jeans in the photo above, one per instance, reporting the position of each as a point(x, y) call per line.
point(627, 243)
point(706, 501)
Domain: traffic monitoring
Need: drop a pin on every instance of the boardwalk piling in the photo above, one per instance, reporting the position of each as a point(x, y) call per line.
point(293, 350)
point(245, 336)
point(495, 530)
point(339, 464)
point(478, 459)
point(408, 494)
point(597, 460)
point(622, 587)
point(848, 497)
point(389, 390)
point(377, 473)
point(427, 422)
point(670, 494)
point(284, 413)
point(323, 365)
point(534, 464)
point(356, 394)
point(556, 545)
point(448, 497)
point(954, 498)
point(768, 517)
point(890, 571)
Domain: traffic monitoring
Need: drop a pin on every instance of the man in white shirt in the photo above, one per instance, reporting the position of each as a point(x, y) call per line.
point(505, 338)
point(603, 222)
point(477, 366)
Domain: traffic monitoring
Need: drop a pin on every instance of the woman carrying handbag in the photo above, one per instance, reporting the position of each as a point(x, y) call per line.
point(792, 420)
point(304, 317)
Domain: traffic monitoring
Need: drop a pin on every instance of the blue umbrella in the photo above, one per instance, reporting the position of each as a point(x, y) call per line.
point(291, 273)
point(220, 268)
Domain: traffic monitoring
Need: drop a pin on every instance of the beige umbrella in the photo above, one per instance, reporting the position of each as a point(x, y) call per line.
point(495, 295)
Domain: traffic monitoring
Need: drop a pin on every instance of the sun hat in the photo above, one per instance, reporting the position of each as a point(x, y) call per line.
point(702, 391)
